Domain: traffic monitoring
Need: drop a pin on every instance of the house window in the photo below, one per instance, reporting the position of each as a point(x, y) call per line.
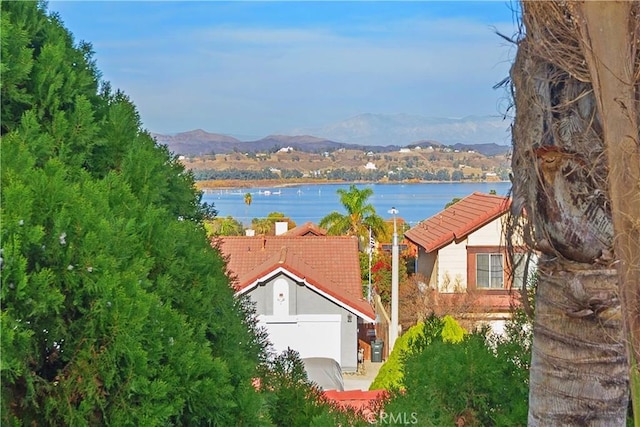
point(489, 271)
point(518, 270)
point(520, 261)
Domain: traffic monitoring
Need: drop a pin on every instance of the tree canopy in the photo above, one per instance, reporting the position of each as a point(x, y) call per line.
point(359, 218)
point(115, 307)
point(442, 375)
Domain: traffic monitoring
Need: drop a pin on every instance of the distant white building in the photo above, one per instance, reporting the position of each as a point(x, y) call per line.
point(405, 150)
point(370, 166)
point(285, 150)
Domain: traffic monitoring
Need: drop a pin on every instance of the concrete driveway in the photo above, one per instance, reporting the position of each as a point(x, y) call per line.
point(363, 379)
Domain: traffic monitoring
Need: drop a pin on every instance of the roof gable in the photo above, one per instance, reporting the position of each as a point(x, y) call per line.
point(328, 264)
point(307, 229)
point(457, 221)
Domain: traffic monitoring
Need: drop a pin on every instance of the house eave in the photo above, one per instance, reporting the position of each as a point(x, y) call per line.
point(303, 280)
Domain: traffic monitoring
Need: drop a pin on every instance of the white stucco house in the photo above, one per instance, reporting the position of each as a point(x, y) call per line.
point(461, 252)
point(306, 288)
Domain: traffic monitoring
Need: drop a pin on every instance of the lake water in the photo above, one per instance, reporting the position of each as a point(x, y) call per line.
point(307, 202)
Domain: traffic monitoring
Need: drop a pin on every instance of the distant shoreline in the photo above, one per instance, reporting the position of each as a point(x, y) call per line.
point(277, 183)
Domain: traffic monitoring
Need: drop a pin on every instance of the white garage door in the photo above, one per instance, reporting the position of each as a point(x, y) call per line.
point(311, 335)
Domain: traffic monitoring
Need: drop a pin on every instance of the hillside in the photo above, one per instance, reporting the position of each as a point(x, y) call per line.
point(428, 163)
point(200, 143)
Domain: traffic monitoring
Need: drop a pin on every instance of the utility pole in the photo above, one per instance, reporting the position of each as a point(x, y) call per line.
point(393, 327)
point(371, 243)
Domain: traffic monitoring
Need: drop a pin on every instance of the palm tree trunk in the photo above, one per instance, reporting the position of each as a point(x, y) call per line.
point(578, 367)
point(616, 84)
point(561, 190)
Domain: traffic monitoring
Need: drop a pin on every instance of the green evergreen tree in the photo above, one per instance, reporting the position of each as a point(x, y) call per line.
point(115, 307)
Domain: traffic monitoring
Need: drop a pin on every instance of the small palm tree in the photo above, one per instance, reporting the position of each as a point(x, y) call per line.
point(360, 216)
point(247, 201)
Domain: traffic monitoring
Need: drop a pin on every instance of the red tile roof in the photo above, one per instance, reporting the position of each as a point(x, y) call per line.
point(328, 264)
point(362, 401)
point(307, 229)
point(480, 301)
point(456, 222)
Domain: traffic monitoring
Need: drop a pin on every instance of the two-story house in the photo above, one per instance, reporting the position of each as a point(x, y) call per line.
point(461, 252)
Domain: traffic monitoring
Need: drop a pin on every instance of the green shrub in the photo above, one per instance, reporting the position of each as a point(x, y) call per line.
point(481, 380)
point(413, 340)
point(292, 400)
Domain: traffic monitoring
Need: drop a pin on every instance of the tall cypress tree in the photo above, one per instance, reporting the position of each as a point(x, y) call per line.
point(115, 308)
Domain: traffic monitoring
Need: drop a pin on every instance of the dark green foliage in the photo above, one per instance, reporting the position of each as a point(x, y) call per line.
point(334, 174)
point(452, 202)
point(479, 381)
point(360, 216)
point(115, 307)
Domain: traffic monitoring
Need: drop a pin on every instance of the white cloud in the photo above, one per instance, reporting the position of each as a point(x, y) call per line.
point(259, 80)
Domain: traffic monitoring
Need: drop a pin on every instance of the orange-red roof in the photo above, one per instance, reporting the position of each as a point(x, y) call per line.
point(307, 229)
point(456, 222)
point(359, 400)
point(329, 264)
point(482, 302)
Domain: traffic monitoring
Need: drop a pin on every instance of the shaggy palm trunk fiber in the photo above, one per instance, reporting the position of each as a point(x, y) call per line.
point(572, 211)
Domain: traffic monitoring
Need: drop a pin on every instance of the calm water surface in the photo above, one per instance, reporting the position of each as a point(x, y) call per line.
point(306, 202)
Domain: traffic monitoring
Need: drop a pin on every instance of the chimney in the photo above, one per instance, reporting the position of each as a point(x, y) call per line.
point(281, 227)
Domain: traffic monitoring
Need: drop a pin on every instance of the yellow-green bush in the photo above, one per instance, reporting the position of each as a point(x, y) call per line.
point(415, 339)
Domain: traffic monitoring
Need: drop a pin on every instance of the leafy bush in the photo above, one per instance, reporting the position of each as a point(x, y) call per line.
point(294, 401)
point(481, 380)
point(390, 376)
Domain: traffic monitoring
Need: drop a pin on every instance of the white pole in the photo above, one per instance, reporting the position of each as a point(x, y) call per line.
point(370, 255)
point(393, 327)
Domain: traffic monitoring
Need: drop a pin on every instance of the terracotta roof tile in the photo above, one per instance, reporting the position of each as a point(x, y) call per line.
point(359, 400)
point(329, 263)
point(458, 221)
point(485, 302)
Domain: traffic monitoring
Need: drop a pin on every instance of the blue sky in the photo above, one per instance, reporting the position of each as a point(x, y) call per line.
point(250, 69)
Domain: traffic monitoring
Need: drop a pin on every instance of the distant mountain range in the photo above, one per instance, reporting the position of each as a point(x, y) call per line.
point(403, 129)
point(199, 142)
point(369, 132)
